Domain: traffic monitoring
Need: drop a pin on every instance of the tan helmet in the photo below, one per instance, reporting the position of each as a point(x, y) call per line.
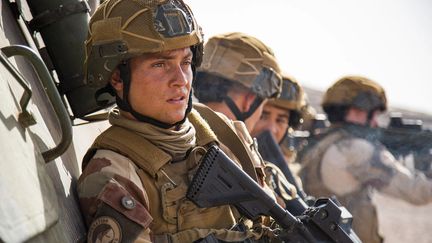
point(119, 30)
point(292, 96)
point(356, 91)
point(244, 59)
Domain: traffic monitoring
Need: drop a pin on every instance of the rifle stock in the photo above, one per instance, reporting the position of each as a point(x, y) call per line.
point(219, 181)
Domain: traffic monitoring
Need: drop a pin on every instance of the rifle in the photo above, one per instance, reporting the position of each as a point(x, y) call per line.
point(220, 181)
point(401, 137)
point(407, 136)
point(270, 151)
point(299, 139)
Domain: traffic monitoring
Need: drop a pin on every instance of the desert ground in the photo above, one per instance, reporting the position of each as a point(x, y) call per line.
point(401, 222)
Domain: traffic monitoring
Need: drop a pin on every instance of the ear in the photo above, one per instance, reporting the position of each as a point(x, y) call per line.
point(116, 81)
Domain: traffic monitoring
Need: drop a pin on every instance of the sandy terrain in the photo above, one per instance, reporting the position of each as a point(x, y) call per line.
point(401, 222)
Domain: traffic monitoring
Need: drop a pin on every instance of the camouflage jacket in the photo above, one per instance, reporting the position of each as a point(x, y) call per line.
point(348, 163)
point(139, 196)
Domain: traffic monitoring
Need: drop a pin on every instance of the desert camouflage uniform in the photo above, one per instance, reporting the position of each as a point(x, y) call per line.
point(346, 163)
point(139, 196)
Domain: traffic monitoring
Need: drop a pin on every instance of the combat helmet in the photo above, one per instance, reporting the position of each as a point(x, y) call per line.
point(355, 91)
point(122, 29)
point(292, 98)
point(242, 59)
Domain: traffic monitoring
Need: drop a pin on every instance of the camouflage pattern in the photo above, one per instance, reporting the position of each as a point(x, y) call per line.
point(119, 30)
point(243, 59)
point(344, 164)
point(355, 91)
point(132, 192)
point(292, 95)
point(108, 182)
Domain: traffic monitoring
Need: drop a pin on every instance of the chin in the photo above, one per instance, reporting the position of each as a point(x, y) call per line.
point(176, 119)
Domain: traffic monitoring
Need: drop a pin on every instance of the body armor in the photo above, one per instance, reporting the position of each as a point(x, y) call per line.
point(358, 202)
point(175, 218)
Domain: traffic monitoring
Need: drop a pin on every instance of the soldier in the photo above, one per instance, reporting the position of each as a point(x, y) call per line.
point(281, 116)
point(136, 174)
point(284, 114)
point(347, 160)
point(238, 74)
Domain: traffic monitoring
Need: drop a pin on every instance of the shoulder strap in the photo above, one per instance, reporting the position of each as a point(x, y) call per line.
point(123, 141)
point(228, 137)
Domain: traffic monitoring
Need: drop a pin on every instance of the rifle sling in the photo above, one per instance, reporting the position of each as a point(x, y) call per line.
point(229, 138)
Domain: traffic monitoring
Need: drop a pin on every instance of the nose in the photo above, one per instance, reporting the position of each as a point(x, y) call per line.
point(180, 76)
point(273, 129)
point(271, 126)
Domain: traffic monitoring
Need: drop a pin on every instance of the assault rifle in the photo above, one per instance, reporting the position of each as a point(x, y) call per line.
point(407, 136)
point(220, 181)
point(402, 137)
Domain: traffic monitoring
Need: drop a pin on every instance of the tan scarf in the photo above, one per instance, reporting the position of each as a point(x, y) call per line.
point(174, 142)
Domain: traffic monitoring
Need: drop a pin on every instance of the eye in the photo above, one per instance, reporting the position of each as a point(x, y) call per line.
point(282, 120)
point(158, 64)
point(264, 116)
point(187, 62)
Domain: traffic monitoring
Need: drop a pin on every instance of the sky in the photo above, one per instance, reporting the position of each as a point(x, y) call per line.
point(319, 41)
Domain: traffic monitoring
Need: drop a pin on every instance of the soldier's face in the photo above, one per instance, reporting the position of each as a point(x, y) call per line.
point(359, 116)
point(161, 84)
point(375, 117)
point(273, 119)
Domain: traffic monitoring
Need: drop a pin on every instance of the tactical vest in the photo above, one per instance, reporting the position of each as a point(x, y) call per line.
point(175, 218)
point(365, 222)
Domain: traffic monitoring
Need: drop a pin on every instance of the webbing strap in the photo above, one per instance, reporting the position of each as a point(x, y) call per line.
point(228, 137)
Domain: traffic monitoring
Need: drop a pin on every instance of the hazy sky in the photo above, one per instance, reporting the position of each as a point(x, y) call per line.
point(318, 41)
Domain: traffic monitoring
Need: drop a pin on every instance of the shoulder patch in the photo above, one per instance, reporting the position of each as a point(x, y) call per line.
point(103, 230)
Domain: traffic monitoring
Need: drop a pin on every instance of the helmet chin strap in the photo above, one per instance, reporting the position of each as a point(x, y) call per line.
point(242, 116)
point(124, 104)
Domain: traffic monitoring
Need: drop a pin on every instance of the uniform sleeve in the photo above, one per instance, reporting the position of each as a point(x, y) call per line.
point(414, 187)
point(353, 163)
point(350, 164)
point(113, 200)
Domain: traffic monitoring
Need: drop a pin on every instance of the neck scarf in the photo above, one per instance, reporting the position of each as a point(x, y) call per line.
point(176, 142)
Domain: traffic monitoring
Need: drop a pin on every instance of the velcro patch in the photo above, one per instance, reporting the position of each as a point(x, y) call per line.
point(121, 200)
point(104, 229)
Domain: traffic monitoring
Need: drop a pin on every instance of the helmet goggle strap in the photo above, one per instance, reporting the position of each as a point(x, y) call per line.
point(242, 116)
point(267, 83)
point(125, 75)
point(290, 91)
